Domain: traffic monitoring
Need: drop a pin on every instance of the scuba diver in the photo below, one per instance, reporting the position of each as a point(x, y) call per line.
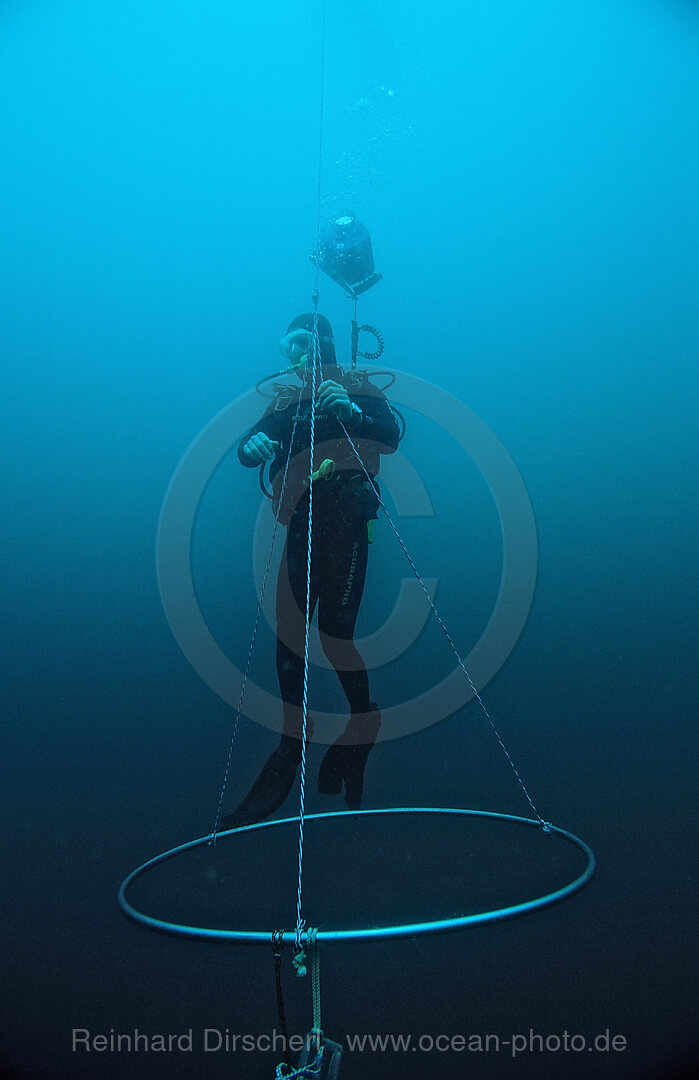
point(344, 502)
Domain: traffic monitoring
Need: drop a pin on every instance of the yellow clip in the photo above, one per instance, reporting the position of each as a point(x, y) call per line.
point(325, 470)
point(300, 363)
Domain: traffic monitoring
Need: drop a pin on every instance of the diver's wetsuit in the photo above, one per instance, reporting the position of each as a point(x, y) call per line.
point(342, 506)
point(338, 571)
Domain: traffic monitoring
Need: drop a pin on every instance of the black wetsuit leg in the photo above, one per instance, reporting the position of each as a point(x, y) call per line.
point(344, 762)
point(344, 563)
point(337, 583)
point(291, 619)
point(279, 771)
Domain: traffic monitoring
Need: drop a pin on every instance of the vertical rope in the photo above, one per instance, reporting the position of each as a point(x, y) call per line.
point(315, 363)
point(315, 986)
point(319, 192)
point(300, 921)
point(277, 946)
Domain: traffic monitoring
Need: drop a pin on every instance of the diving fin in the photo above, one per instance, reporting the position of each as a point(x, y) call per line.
point(271, 787)
point(345, 761)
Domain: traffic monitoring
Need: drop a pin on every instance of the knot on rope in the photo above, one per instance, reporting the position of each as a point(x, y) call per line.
point(300, 959)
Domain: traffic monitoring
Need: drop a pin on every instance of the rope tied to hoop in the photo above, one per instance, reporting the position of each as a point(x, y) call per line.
point(543, 823)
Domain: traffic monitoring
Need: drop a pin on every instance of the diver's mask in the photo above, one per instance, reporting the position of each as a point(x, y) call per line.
point(295, 347)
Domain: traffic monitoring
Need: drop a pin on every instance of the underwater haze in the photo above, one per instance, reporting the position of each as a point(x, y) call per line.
point(529, 176)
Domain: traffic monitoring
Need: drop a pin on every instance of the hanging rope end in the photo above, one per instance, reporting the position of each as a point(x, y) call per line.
point(300, 965)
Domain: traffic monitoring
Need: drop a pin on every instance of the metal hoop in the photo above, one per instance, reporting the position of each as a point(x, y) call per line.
point(435, 926)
